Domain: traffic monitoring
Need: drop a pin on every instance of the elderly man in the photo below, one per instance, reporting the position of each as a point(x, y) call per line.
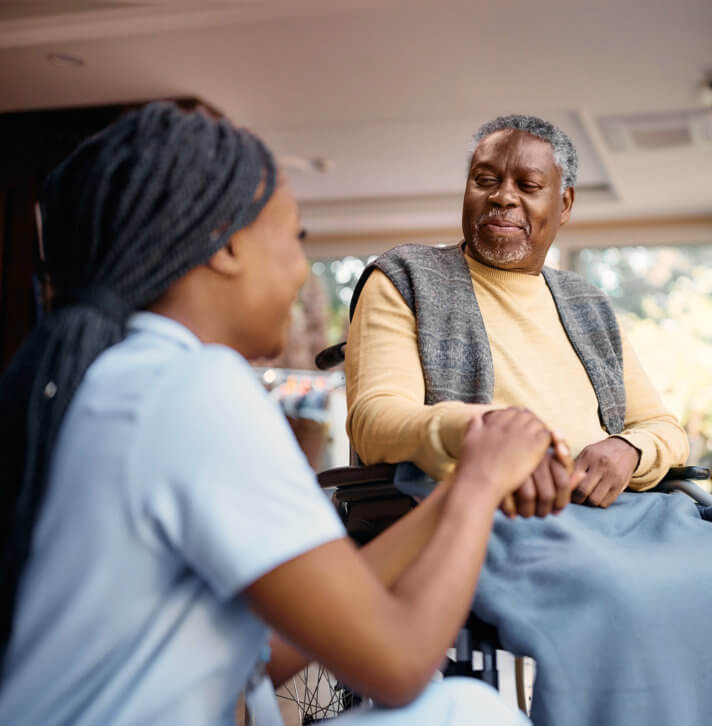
point(441, 334)
point(604, 597)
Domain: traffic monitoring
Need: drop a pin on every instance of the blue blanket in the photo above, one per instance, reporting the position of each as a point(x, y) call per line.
point(612, 604)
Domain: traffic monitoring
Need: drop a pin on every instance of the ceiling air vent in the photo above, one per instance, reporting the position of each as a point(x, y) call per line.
point(642, 132)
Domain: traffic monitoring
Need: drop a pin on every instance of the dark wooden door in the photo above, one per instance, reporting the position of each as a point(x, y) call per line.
point(32, 143)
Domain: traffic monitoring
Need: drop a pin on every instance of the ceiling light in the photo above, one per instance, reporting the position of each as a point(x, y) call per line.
point(65, 60)
point(318, 164)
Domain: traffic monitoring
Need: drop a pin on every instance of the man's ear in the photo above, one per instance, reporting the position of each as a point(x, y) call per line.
point(567, 203)
point(228, 260)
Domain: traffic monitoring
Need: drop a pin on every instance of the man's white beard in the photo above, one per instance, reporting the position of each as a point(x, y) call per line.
point(503, 251)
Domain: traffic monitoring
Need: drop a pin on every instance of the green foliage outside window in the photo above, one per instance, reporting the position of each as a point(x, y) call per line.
point(663, 296)
point(339, 277)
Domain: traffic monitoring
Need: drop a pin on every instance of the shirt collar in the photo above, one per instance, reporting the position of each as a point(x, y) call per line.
point(164, 327)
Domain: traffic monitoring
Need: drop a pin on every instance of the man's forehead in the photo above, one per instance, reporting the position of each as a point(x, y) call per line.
point(529, 150)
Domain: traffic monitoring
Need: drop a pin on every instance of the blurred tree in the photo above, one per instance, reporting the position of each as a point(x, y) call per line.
point(663, 296)
point(339, 276)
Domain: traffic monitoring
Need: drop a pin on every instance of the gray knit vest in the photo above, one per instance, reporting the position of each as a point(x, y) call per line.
point(454, 348)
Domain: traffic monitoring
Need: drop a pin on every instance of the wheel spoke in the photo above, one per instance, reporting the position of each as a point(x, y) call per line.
point(316, 694)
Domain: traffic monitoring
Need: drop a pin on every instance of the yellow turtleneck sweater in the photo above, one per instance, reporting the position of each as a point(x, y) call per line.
point(535, 366)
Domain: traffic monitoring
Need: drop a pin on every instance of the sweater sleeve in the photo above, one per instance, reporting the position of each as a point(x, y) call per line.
point(653, 430)
point(387, 418)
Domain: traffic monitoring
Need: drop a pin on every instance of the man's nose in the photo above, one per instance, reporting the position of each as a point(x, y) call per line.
point(505, 194)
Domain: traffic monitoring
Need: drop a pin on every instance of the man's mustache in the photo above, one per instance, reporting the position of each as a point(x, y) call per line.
point(503, 216)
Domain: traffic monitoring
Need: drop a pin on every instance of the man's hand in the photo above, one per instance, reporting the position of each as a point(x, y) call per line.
point(502, 447)
point(607, 467)
point(548, 488)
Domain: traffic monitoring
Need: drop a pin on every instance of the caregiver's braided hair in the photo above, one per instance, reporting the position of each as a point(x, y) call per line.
point(128, 213)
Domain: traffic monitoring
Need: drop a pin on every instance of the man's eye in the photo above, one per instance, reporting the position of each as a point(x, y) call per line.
point(484, 181)
point(529, 186)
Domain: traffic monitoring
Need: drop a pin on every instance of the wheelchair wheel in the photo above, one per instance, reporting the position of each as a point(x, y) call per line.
point(314, 695)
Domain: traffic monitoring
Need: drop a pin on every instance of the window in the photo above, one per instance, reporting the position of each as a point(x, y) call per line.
point(339, 276)
point(663, 296)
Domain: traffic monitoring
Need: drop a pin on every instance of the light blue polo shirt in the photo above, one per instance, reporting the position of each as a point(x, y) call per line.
point(176, 482)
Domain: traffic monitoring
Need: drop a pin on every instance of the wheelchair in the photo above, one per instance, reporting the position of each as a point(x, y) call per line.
point(368, 501)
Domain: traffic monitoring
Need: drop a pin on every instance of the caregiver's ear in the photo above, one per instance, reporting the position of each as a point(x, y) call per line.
point(230, 259)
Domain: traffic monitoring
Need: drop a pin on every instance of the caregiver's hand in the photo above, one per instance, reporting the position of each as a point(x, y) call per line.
point(548, 487)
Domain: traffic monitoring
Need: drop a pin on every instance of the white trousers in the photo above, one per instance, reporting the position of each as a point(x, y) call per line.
point(450, 702)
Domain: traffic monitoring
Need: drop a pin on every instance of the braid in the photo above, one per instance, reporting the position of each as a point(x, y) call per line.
point(132, 210)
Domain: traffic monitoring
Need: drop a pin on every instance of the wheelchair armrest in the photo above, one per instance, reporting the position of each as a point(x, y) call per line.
point(359, 483)
point(366, 498)
point(348, 476)
point(679, 479)
point(686, 487)
point(687, 472)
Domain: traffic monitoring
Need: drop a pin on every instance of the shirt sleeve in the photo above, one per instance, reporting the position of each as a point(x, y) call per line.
point(228, 488)
point(649, 426)
point(387, 418)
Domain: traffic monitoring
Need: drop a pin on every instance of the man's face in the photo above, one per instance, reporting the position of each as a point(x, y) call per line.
point(513, 204)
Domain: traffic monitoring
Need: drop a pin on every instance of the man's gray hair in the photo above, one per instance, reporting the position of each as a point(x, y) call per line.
point(564, 151)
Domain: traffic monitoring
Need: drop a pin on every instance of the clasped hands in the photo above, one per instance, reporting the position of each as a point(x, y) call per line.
point(599, 473)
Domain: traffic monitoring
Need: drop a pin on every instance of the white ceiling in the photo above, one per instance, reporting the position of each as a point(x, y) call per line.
point(389, 92)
